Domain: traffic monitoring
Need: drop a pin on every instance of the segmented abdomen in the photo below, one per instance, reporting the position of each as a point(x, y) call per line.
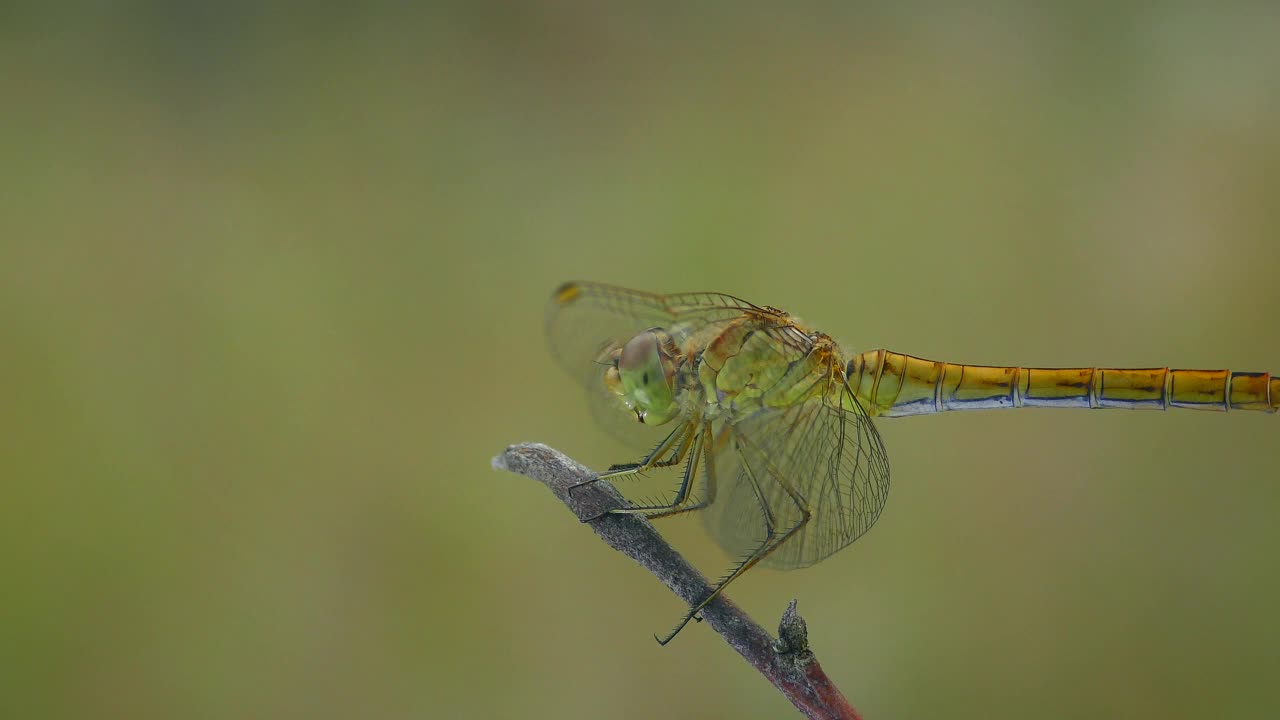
point(892, 384)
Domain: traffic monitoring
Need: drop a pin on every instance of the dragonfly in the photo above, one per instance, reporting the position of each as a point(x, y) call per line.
point(771, 420)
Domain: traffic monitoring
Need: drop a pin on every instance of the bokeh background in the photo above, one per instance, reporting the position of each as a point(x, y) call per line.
point(272, 281)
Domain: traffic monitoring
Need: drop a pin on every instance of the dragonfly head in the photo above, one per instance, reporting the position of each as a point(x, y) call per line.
point(644, 377)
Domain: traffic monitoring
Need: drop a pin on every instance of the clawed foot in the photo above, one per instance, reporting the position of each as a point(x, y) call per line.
point(597, 516)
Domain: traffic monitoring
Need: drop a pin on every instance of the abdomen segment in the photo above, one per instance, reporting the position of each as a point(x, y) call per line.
point(892, 384)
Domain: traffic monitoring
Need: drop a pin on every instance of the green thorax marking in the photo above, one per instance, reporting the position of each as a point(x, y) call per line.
point(745, 367)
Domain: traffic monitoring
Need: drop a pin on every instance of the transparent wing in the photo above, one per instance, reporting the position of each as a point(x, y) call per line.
point(587, 322)
point(832, 458)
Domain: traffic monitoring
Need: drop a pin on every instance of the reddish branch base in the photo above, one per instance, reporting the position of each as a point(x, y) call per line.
point(787, 663)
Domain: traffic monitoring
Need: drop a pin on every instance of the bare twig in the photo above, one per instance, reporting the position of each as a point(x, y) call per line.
point(787, 663)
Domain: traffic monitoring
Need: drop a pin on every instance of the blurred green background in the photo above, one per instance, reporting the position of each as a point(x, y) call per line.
point(272, 282)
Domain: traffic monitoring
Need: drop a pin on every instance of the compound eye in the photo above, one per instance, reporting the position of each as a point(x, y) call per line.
point(638, 354)
point(646, 383)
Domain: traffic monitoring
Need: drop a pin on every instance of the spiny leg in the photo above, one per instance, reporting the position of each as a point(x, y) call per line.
point(772, 541)
point(682, 494)
point(681, 433)
point(684, 434)
point(708, 482)
point(802, 505)
point(688, 434)
point(751, 557)
point(761, 552)
point(701, 452)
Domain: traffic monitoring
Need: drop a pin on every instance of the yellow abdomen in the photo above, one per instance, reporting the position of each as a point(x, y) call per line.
point(891, 384)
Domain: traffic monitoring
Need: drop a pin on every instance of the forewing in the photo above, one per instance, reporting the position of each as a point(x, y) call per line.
point(587, 322)
point(831, 458)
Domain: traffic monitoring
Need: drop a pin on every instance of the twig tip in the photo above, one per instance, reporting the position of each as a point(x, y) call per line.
point(793, 633)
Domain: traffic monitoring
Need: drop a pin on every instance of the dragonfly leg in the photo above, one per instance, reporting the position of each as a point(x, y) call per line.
point(708, 483)
point(683, 434)
point(650, 460)
point(695, 453)
point(772, 541)
point(687, 434)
